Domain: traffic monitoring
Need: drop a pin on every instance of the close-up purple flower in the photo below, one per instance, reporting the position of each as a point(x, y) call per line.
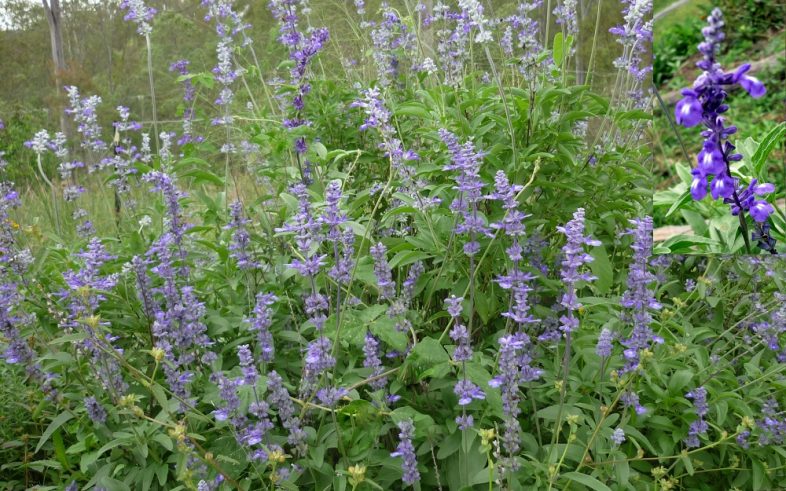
point(705, 103)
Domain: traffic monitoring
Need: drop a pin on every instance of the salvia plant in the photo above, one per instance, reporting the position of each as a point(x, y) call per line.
point(728, 176)
point(433, 270)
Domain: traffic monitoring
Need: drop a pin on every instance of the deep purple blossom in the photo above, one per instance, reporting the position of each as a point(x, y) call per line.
point(705, 103)
point(604, 346)
point(341, 241)
point(389, 37)
point(378, 116)
point(175, 224)
point(772, 425)
point(329, 396)
point(189, 95)
point(631, 399)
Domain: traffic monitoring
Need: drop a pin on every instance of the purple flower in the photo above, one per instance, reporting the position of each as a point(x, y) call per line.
point(604, 346)
point(631, 399)
point(250, 374)
point(618, 436)
point(331, 395)
point(753, 86)
point(389, 37)
point(772, 424)
point(699, 426)
point(514, 370)
point(84, 113)
point(279, 400)
point(705, 103)
point(639, 298)
point(688, 111)
point(574, 258)
point(95, 410)
point(378, 116)
point(466, 391)
point(465, 422)
point(261, 322)
point(241, 240)
point(406, 450)
point(318, 358)
point(341, 241)
point(140, 14)
point(761, 211)
point(387, 287)
point(372, 360)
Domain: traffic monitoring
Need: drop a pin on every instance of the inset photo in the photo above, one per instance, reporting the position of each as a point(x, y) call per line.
point(719, 127)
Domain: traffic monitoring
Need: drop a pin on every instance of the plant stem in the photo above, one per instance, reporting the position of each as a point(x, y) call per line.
point(152, 88)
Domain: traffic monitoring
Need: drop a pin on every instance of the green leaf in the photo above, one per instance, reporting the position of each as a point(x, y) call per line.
point(759, 474)
point(686, 196)
point(558, 49)
point(685, 458)
point(54, 425)
point(430, 352)
point(69, 338)
point(586, 480)
point(111, 445)
point(164, 440)
point(112, 484)
point(679, 380)
point(601, 267)
point(201, 175)
point(685, 242)
point(384, 328)
point(766, 146)
point(449, 446)
point(412, 109)
point(321, 150)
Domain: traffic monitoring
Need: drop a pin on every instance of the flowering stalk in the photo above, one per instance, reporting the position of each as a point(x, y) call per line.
point(574, 257)
point(241, 240)
point(639, 297)
point(464, 389)
point(635, 36)
point(406, 450)
point(514, 358)
point(699, 397)
point(302, 49)
point(704, 103)
point(189, 94)
point(13, 263)
point(142, 16)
